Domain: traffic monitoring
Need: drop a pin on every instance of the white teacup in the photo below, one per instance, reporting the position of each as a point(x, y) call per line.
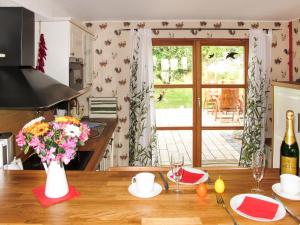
point(290, 184)
point(144, 182)
point(61, 112)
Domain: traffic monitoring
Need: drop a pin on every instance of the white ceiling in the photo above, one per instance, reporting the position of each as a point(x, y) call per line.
point(97, 10)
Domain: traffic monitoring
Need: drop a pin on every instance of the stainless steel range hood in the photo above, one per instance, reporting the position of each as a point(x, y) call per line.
point(21, 86)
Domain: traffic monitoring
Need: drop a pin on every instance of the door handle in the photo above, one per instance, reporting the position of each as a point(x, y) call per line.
point(199, 102)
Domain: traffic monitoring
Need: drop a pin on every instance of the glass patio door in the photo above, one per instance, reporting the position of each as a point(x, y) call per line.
point(221, 93)
point(200, 92)
point(174, 98)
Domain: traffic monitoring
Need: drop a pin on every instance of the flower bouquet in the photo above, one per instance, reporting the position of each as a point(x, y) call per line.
point(56, 143)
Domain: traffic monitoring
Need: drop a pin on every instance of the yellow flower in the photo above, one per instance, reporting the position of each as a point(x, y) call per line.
point(67, 119)
point(37, 129)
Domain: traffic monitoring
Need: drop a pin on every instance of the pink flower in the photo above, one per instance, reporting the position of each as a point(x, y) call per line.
point(34, 142)
point(69, 144)
point(85, 133)
point(59, 157)
point(68, 156)
point(49, 155)
point(39, 148)
point(20, 139)
point(66, 160)
point(50, 134)
point(55, 126)
point(83, 137)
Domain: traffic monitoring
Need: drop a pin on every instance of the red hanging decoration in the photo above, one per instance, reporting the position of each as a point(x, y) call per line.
point(41, 54)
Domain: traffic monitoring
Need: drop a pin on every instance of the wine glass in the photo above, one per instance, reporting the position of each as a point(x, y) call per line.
point(258, 166)
point(177, 161)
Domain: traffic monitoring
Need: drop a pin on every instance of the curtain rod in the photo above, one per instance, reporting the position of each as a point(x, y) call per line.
point(199, 29)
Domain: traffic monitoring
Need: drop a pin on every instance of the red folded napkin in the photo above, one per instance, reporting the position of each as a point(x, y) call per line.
point(189, 177)
point(46, 202)
point(258, 208)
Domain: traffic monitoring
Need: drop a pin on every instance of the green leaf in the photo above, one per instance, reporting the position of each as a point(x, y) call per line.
point(26, 149)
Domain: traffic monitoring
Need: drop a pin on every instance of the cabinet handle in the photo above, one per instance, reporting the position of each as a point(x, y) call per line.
point(106, 153)
point(110, 141)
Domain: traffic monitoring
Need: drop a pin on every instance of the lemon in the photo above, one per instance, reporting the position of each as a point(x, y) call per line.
point(219, 185)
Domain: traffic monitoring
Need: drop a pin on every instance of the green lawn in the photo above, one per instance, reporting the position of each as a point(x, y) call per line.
point(174, 98)
point(217, 69)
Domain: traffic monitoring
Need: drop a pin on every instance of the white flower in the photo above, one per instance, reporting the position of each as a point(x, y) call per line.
point(37, 120)
point(72, 130)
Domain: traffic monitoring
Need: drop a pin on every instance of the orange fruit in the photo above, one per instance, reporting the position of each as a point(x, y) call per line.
point(201, 190)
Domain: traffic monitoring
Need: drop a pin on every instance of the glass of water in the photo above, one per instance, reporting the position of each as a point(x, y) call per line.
point(258, 167)
point(177, 161)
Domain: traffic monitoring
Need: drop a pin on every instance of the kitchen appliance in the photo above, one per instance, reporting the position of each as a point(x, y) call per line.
point(22, 86)
point(6, 149)
point(76, 73)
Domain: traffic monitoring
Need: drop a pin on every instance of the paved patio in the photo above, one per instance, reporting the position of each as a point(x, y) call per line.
point(219, 147)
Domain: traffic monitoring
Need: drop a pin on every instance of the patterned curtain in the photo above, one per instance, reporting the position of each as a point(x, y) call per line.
point(142, 132)
point(258, 86)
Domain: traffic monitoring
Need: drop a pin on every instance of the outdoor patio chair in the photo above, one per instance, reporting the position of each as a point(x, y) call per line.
point(229, 101)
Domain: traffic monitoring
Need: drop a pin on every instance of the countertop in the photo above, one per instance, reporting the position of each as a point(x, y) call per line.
point(98, 144)
point(104, 199)
point(287, 84)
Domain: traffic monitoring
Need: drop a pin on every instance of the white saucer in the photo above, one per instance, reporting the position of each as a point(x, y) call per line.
point(156, 191)
point(277, 189)
point(237, 200)
point(192, 170)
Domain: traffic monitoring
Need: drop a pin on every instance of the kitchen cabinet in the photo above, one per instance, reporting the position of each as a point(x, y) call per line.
point(65, 39)
point(110, 156)
point(286, 95)
point(76, 41)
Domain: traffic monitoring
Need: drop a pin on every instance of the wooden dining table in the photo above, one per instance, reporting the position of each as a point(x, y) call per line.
point(104, 199)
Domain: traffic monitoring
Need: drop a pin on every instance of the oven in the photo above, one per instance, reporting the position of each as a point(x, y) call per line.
point(76, 73)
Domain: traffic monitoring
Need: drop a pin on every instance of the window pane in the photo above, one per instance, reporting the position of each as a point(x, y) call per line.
point(175, 141)
point(173, 64)
point(223, 65)
point(174, 107)
point(221, 146)
point(223, 106)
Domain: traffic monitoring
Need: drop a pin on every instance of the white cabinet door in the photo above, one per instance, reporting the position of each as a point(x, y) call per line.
point(88, 59)
point(57, 38)
point(76, 44)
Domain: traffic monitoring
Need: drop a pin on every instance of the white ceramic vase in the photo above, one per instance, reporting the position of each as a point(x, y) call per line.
point(56, 184)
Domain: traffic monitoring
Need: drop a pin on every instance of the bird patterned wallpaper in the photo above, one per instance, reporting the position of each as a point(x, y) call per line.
point(296, 48)
point(112, 59)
